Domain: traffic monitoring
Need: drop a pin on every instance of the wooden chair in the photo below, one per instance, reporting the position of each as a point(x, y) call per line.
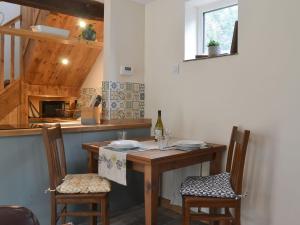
point(18, 215)
point(54, 145)
point(234, 168)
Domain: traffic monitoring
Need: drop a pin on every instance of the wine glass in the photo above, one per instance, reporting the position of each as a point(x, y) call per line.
point(122, 135)
point(163, 141)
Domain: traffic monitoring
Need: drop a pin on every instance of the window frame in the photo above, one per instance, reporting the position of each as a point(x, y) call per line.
point(203, 21)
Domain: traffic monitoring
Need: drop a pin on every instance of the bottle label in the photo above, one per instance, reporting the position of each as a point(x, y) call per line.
point(157, 134)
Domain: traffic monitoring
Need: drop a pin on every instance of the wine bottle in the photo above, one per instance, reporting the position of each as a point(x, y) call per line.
point(159, 127)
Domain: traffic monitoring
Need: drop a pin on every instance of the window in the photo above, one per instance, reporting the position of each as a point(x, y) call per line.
point(207, 20)
point(219, 25)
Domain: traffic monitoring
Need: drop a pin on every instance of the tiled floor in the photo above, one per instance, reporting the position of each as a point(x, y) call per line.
point(135, 216)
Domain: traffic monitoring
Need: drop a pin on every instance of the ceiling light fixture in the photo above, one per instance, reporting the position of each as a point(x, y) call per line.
point(82, 23)
point(65, 61)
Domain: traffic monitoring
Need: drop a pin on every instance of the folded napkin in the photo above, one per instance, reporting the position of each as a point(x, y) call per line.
point(112, 165)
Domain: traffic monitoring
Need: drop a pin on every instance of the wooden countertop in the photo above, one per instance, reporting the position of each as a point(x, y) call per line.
point(106, 126)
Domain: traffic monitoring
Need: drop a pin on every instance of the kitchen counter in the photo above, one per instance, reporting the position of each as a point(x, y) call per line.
point(11, 131)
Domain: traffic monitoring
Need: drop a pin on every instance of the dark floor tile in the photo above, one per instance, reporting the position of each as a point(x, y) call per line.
point(135, 216)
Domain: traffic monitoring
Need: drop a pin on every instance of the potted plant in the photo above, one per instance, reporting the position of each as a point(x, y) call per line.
point(89, 33)
point(213, 48)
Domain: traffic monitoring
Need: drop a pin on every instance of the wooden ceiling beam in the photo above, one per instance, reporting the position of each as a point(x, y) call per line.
point(88, 9)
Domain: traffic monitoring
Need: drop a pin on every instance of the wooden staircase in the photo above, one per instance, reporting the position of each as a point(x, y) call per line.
point(41, 73)
point(10, 101)
point(10, 88)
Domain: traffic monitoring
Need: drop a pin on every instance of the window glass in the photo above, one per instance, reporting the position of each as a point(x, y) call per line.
point(219, 26)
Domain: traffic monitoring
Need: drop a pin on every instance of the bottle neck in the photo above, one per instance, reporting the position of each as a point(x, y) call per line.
point(159, 114)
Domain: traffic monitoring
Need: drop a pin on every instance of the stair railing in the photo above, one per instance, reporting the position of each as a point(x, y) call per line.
point(5, 82)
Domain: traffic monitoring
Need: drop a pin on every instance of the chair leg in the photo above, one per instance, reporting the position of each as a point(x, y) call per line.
point(53, 210)
point(94, 218)
point(104, 211)
point(63, 218)
point(227, 222)
point(211, 211)
point(237, 216)
point(186, 220)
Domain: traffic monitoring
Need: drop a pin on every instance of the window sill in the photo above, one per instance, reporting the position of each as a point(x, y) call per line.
point(206, 57)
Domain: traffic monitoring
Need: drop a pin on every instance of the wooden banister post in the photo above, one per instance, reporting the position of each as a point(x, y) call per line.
point(1, 62)
point(21, 59)
point(12, 59)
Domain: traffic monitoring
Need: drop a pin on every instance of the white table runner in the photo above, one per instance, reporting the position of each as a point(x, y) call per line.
point(112, 164)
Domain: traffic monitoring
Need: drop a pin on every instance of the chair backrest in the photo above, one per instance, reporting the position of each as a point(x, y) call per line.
point(55, 151)
point(236, 158)
point(17, 215)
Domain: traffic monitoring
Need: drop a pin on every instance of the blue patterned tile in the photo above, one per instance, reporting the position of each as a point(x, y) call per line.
point(113, 105)
point(113, 85)
point(142, 114)
point(142, 96)
point(126, 100)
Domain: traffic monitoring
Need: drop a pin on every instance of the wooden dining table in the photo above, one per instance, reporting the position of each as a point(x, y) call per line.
point(154, 162)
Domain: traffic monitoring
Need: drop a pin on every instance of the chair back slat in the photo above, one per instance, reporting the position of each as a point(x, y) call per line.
point(236, 157)
point(55, 151)
point(231, 150)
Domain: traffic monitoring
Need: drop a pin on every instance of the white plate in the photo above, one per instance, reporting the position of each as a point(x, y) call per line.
point(189, 143)
point(125, 144)
point(122, 149)
point(186, 148)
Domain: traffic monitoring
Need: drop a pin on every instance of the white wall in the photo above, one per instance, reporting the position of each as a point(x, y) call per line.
point(124, 36)
point(124, 41)
point(258, 90)
point(10, 11)
point(95, 77)
point(191, 32)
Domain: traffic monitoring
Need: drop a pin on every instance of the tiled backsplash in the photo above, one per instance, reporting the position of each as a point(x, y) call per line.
point(123, 100)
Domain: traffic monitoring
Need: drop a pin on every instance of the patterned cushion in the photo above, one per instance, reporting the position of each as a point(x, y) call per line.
point(83, 183)
point(217, 186)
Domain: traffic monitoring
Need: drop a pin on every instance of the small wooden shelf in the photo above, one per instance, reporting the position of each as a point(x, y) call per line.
point(49, 37)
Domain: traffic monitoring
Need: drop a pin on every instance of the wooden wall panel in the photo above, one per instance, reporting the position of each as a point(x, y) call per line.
point(50, 91)
point(11, 118)
point(32, 16)
point(43, 59)
point(43, 74)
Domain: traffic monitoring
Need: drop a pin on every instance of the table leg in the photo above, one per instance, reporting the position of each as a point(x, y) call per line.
point(160, 180)
point(151, 188)
point(92, 167)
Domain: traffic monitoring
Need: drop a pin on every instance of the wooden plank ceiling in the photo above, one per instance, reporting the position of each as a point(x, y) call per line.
point(89, 9)
point(42, 61)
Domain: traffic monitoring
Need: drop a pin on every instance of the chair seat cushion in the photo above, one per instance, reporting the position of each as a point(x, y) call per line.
point(84, 183)
point(217, 186)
